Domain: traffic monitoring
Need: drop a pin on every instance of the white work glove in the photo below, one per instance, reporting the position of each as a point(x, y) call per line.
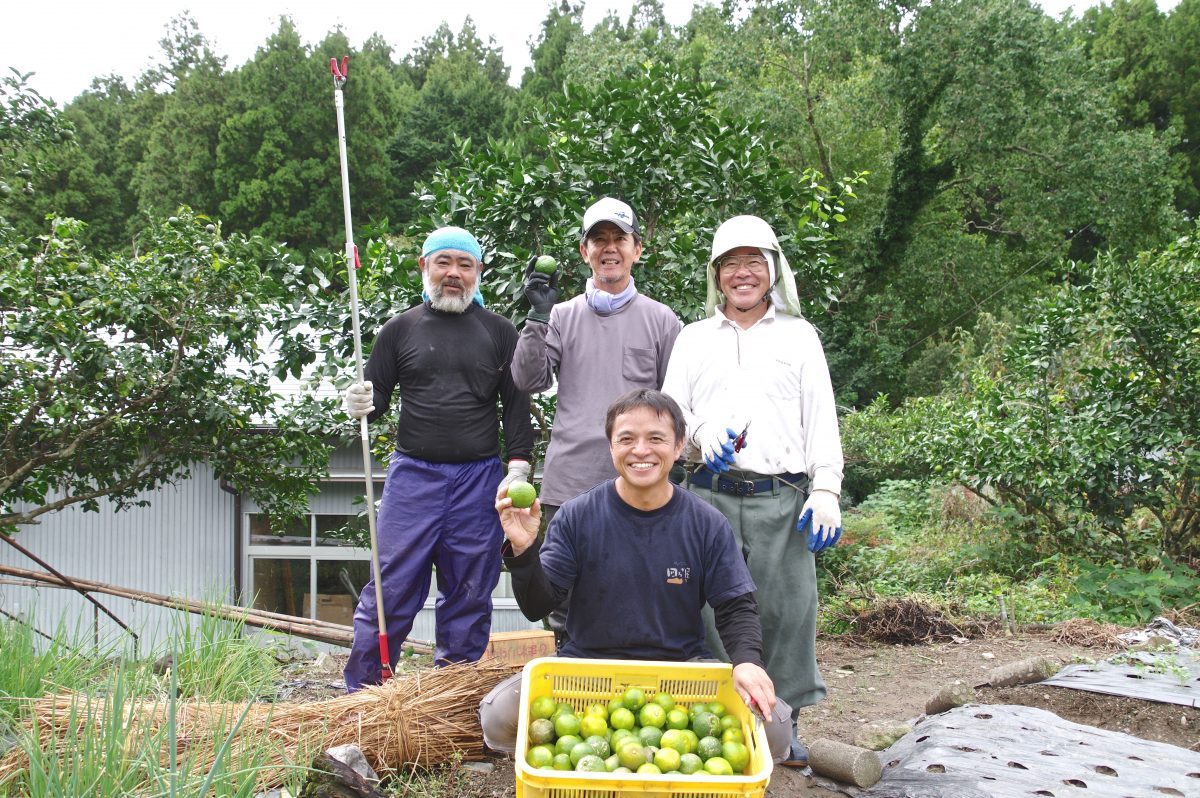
point(359, 399)
point(517, 469)
point(716, 446)
point(823, 518)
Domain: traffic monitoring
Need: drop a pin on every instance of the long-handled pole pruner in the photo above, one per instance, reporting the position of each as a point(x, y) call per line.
point(340, 71)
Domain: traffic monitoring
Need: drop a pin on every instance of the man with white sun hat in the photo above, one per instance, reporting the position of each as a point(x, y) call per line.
point(764, 444)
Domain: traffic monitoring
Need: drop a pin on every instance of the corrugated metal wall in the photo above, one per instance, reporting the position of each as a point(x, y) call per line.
point(182, 544)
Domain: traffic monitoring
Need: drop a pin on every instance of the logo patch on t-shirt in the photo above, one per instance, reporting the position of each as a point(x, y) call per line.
point(678, 574)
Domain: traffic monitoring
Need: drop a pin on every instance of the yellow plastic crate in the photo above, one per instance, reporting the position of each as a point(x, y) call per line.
point(580, 682)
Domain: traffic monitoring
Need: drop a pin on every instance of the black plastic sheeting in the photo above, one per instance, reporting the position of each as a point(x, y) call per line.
point(1167, 677)
point(997, 751)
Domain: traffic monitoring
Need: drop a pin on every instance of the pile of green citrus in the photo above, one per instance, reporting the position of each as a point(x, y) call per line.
point(635, 735)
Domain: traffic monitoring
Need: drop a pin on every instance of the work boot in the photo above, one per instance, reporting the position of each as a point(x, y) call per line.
point(797, 757)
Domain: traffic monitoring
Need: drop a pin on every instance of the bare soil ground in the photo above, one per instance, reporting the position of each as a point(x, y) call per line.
point(886, 682)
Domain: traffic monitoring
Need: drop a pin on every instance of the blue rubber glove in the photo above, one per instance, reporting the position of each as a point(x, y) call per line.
point(718, 453)
point(822, 517)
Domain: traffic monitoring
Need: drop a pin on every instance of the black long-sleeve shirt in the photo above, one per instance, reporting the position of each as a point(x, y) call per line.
point(450, 368)
point(736, 619)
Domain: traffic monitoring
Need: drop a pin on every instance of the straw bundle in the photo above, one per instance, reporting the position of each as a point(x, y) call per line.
point(423, 718)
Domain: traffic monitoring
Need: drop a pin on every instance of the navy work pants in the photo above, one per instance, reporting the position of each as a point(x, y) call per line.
point(432, 516)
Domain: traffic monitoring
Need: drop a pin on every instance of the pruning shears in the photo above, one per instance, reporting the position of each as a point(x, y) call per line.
point(739, 442)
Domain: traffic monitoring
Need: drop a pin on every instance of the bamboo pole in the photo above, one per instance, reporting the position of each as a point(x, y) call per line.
point(309, 628)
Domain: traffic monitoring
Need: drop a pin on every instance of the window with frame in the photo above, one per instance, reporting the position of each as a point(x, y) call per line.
point(317, 566)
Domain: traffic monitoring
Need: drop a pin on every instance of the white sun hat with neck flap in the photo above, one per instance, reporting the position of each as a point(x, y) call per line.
point(751, 231)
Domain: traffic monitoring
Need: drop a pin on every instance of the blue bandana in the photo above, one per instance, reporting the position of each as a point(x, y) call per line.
point(452, 238)
point(601, 301)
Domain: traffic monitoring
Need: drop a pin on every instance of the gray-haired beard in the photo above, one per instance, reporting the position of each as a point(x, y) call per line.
point(447, 304)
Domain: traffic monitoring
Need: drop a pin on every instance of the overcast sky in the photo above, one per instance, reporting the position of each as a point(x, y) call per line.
point(67, 42)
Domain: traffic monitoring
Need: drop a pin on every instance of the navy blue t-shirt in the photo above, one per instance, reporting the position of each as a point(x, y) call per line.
point(639, 579)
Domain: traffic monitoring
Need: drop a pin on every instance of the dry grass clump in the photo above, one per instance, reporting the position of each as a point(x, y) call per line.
point(1086, 633)
point(424, 718)
point(906, 621)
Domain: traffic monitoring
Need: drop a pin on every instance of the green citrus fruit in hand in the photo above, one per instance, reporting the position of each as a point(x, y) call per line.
point(521, 493)
point(545, 264)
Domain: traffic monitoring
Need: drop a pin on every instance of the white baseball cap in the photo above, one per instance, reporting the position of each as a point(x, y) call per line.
point(612, 210)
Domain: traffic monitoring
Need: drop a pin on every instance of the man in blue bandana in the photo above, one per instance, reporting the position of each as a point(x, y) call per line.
point(599, 345)
point(449, 360)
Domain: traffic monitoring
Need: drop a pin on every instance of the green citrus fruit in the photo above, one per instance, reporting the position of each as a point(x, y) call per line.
point(648, 769)
point(545, 264)
point(650, 735)
point(692, 739)
point(730, 722)
point(591, 725)
point(736, 754)
point(615, 704)
point(543, 706)
point(521, 493)
point(565, 743)
point(621, 770)
point(667, 759)
point(591, 764)
point(619, 735)
point(600, 744)
point(678, 719)
point(690, 763)
point(708, 747)
point(622, 719)
point(579, 751)
point(664, 700)
point(563, 762)
point(612, 762)
point(652, 715)
point(540, 756)
point(733, 736)
point(567, 724)
point(674, 738)
point(718, 766)
point(631, 755)
point(599, 710)
point(705, 724)
point(541, 731)
point(635, 699)
point(717, 708)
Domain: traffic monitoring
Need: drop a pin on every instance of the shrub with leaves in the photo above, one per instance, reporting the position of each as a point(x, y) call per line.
point(118, 373)
point(1088, 414)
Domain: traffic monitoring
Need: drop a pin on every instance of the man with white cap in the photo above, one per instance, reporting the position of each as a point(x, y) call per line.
point(607, 341)
point(754, 387)
point(449, 359)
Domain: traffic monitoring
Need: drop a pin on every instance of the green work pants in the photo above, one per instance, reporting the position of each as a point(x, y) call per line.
point(784, 571)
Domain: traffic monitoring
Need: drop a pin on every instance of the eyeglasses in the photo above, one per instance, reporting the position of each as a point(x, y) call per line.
point(734, 265)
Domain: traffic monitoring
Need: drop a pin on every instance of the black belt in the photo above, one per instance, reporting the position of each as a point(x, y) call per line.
point(703, 478)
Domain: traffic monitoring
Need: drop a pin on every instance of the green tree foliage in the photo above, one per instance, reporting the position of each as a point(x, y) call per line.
point(656, 140)
point(277, 158)
point(1007, 158)
point(614, 48)
point(117, 373)
point(462, 91)
point(1152, 61)
point(1084, 419)
point(545, 76)
point(181, 153)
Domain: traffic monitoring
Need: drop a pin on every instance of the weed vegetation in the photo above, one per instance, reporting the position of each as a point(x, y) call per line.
point(974, 561)
point(98, 741)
